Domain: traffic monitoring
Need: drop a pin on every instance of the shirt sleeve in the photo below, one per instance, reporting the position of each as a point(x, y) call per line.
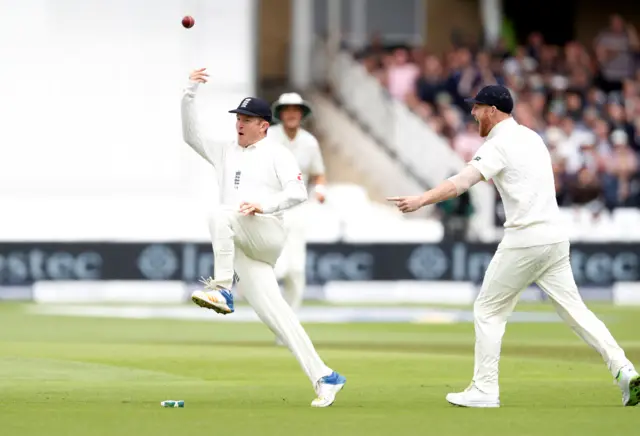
point(489, 160)
point(212, 151)
point(293, 191)
point(466, 178)
point(317, 163)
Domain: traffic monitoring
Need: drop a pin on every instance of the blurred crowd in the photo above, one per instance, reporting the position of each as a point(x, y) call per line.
point(583, 99)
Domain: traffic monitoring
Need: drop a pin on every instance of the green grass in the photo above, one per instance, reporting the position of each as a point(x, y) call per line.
point(82, 376)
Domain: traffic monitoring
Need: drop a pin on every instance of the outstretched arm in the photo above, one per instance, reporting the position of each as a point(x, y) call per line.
point(191, 134)
point(450, 188)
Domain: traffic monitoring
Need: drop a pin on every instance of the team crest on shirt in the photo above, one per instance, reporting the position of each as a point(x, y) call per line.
point(300, 176)
point(477, 158)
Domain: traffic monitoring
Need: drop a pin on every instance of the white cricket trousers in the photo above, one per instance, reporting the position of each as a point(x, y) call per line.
point(512, 270)
point(250, 245)
point(292, 263)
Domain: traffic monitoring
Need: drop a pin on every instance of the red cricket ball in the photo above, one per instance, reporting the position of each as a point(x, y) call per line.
point(188, 22)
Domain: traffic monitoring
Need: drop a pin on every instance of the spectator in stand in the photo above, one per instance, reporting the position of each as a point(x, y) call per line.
point(587, 107)
point(427, 88)
point(585, 190)
point(401, 74)
point(464, 76)
point(553, 137)
point(616, 50)
point(535, 45)
point(467, 142)
point(574, 105)
point(488, 74)
point(621, 167)
point(521, 64)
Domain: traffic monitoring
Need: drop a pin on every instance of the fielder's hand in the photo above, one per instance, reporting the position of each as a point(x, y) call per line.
point(200, 75)
point(250, 208)
point(320, 197)
point(407, 204)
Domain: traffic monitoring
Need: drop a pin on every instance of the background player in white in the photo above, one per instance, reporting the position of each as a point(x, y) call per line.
point(534, 249)
point(258, 179)
point(291, 110)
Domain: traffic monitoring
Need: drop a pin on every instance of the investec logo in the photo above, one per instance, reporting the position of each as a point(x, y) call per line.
point(158, 262)
point(30, 264)
point(163, 262)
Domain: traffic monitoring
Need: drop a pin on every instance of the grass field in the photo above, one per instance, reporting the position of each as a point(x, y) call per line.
point(84, 376)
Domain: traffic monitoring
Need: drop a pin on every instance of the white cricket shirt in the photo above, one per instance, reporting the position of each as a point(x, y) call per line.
point(305, 148)
point(517, 160)
point(265, 173)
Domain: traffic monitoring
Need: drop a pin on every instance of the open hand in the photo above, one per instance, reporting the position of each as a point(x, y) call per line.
point(200, 75)
point(407, 204)
point(250, 208)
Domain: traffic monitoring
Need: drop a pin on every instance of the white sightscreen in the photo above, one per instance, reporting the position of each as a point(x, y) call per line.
point(90, 96)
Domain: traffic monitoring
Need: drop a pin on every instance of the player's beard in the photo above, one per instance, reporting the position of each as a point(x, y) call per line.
point(483, 126)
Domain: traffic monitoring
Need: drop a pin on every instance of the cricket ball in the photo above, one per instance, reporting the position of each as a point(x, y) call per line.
point(188, 22)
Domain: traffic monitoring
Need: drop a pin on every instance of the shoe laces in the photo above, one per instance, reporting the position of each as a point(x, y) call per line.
point(208, 283)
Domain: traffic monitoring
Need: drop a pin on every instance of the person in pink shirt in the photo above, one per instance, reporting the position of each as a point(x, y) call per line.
point(401, 74)
point(467, 142)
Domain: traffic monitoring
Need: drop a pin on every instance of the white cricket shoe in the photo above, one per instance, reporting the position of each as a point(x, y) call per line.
point(215, 297)
point(629, 382)
point(327, 388)
point(473, 397)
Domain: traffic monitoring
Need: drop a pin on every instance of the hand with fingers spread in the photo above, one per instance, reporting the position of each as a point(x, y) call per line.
point(408, 204)
point(200, 75)
point(250, 208)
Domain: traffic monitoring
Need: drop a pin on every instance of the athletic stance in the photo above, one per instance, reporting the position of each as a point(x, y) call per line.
point(534, 248)
point(291, 110)
point(258, 178)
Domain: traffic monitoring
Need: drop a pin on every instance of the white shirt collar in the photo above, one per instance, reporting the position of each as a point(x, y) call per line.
point(254, 144)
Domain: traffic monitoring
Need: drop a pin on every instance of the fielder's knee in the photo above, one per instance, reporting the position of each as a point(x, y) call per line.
point(481, 308)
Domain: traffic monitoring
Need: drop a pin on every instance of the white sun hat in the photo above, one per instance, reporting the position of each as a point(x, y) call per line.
point(290, 99)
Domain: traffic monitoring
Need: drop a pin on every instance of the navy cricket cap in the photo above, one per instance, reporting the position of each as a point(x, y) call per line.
point(494, 95)
point(254, 107)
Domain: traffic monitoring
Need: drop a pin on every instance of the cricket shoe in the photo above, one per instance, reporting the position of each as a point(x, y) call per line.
point(215, 298)
point(327, 388)
point(629, 382)
point(473, 397)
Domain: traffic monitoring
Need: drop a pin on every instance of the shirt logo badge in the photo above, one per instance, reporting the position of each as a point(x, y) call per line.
point(300, 176)
point(236, 180)
point(477, 158)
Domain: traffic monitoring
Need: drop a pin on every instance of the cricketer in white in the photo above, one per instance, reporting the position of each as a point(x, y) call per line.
point(291, 110)
point(258, 178)
point(534, 249)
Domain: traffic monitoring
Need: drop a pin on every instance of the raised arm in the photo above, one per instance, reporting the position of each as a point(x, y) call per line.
point(191, 134)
